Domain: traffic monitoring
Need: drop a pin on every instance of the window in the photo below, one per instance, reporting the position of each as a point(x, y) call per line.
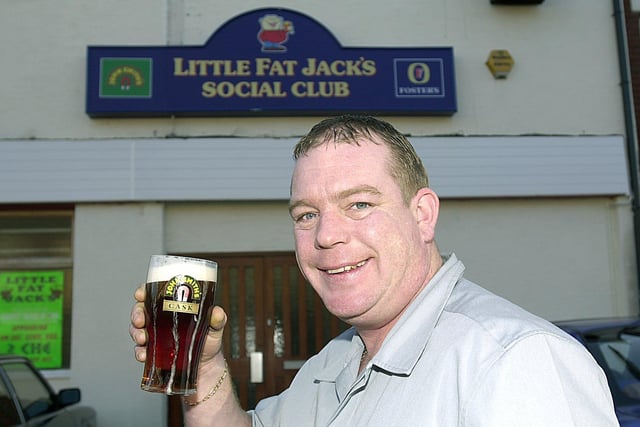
point(35, 285)
point(35, 397)
point(8, 413)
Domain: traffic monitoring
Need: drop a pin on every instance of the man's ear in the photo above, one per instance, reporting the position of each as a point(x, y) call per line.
point(426, 208)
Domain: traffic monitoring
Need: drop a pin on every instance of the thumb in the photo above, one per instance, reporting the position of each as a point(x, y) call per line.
point(213, 343)
point(218, 320)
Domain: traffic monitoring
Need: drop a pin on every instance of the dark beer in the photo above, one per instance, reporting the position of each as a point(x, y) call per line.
point(177, 314)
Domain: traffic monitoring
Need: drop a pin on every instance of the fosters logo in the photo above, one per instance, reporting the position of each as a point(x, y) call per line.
point(125, 77)
point(182, 295)
point(419, 78)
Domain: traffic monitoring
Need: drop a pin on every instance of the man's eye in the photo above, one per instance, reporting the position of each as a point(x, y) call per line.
point(308, 216)
point(360, 205)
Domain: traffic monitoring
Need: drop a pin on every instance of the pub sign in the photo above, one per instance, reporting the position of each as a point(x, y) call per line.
point(31, 316)
point(269, 62)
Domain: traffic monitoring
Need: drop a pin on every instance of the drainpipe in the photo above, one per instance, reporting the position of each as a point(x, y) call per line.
point(630, 125)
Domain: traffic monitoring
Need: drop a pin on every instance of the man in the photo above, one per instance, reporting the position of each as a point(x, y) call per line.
point(427, 347)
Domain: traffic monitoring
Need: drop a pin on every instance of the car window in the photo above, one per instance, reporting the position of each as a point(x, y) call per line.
point(8, 413)
point(33, 395)
point(620, 358)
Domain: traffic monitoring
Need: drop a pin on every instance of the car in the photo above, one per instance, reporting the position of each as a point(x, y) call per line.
point(615, 345)
point(27, 399)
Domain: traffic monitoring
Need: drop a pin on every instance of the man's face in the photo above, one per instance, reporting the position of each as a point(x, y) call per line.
point(359, 245)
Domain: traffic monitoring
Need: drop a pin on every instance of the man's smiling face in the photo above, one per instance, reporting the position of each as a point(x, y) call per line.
point(357, 241)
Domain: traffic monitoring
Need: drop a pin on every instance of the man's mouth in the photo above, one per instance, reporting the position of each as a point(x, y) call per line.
point(345, 268)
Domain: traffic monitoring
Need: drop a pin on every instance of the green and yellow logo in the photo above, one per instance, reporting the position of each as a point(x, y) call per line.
point(125, 77)
point(182, 295)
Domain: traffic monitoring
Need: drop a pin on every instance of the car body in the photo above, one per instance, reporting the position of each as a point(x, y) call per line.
point(615, 344)
point(27, 399)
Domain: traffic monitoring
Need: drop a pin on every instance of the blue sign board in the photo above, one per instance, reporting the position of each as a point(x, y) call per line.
point(269, 62)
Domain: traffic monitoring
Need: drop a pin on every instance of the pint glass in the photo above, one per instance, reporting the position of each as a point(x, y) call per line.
point(178, 303)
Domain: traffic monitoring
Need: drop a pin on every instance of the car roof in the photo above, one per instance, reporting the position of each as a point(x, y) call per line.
point(13, 358)
point(584, 326)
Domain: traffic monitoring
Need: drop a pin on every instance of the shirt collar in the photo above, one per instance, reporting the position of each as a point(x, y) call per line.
point(412, 332)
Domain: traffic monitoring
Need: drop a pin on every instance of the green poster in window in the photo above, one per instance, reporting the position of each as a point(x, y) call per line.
point(31, 308)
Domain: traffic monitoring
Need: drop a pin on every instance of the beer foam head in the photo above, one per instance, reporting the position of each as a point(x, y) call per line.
point(166, 267)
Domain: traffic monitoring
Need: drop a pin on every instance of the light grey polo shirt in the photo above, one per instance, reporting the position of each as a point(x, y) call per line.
point(459, 356)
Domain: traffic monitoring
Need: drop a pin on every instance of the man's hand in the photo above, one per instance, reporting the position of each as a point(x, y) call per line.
point(212, 345)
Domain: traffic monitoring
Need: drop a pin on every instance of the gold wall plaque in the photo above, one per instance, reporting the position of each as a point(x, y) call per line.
point(500, 63)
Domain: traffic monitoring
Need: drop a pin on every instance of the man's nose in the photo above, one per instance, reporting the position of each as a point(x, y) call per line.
point(332, 229)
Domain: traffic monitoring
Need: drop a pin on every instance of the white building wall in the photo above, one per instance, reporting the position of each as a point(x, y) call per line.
point(112, 244)
point(228, 227)
point(559, 257)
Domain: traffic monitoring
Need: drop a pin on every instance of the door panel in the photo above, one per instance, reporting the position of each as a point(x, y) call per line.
point(273, 313)
point(240, 293)
point(297, 322)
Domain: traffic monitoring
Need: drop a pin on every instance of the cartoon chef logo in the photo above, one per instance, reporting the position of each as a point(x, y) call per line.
point(274, 33)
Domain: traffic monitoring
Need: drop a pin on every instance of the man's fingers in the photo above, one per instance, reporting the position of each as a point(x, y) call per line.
point(141, 353)
point(136, 331)
point(137, 315)
point(139, 336)
point(139, 294)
